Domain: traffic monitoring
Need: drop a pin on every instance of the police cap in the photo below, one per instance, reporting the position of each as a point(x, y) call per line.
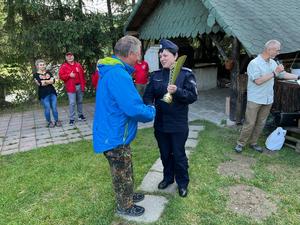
point(169, 45)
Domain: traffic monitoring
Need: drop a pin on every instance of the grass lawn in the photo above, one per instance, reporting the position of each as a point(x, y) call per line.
point(68, 184)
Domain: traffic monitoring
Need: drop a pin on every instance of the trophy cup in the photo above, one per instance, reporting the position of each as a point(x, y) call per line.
point(174, 72)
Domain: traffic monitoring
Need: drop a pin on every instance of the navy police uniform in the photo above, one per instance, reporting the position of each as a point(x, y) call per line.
point(171, 121)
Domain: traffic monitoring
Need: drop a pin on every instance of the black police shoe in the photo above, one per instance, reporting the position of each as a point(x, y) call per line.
point(164, 184)
point(134, 210)
point(182, 192)
point(137, 197)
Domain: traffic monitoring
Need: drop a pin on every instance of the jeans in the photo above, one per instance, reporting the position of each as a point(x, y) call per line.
point(75, 98)
point(50, 102)
point(256, 116)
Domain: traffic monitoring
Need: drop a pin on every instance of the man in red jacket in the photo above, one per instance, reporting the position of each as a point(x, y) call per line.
point(71, 72)
point(141, 75)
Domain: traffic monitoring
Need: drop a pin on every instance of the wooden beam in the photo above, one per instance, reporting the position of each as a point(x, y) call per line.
point(233, 77)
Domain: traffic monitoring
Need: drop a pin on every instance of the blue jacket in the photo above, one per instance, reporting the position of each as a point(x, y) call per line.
point(171, 117)
point(118, 106)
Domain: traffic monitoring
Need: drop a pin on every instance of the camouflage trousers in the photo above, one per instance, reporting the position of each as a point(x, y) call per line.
point(122, 175)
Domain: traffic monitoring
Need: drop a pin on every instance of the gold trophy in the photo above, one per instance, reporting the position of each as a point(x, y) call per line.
point(174, 72)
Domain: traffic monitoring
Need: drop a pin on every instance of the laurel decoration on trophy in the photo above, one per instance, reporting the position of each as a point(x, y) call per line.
point(174, 72)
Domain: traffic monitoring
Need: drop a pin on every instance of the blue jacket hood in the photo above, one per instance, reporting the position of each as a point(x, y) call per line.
point(109, 63)
point(118, 107)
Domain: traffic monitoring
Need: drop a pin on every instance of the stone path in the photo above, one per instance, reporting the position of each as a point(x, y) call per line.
point(154, 203)
point(25, 131)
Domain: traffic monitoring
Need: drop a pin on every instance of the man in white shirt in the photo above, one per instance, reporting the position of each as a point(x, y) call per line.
point(261, 73)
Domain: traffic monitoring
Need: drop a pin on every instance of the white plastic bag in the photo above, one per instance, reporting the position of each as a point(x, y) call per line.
point(276, 139)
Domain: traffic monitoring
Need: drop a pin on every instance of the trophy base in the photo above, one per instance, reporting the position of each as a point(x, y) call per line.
point(167, 98)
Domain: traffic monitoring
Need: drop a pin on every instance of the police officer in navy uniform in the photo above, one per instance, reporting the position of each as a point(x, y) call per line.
point(171, 121)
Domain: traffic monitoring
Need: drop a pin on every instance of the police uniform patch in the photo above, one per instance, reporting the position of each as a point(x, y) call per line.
point(193, 82)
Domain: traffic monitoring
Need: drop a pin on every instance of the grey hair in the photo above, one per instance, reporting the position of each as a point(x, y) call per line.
point(271, 44)
point(38, 61)
point(127, 44)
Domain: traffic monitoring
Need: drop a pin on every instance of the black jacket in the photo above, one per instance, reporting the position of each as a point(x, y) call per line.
point(171, 117)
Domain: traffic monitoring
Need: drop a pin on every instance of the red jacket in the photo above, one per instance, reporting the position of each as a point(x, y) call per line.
point(141, 72)
point(95, 78)
point(64, 74)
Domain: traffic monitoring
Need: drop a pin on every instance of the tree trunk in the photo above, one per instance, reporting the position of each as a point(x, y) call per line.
point(61, 13)
point(233, 77)
point(2, 94)
point(111, 22)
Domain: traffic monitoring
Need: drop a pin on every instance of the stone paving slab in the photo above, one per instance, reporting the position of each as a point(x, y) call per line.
point(27, 148)
point(43, 137)
point(27, 135)
point(61, 142)
point(13, 133)
point(75, 139)
point(8, 152)
point(151, 181)
point(8, 142)
point(191, 143)
point(193, 134)
point(90, 137)
point(55, 139)
point(188, 153)
point(58, 134)
point(11, 147)
point(196, 128)
point(27, 142)
point(157, 166)
point(39, 145)
point(154, 207)
point(44, 141)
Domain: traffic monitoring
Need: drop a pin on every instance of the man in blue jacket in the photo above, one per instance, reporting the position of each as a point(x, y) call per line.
point(118, 109)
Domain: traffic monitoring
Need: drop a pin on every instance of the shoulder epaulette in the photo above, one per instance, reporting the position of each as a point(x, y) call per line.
point(187, 69)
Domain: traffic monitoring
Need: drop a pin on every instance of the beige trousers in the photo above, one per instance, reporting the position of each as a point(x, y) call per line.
point(256, 116)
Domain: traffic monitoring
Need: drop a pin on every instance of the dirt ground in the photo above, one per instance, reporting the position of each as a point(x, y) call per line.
point(245, 200)
point(239, 166)
point(250, 201)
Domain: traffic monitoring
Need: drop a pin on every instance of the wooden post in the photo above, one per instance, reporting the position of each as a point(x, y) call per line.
point(234, 108)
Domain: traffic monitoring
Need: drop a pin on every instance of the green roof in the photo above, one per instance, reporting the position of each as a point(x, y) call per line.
point(253, 22)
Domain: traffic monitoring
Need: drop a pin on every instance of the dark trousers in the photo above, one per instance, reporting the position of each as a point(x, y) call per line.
point(173, 157)
point(122, 175)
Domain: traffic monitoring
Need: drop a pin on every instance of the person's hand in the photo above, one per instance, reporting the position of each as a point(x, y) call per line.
point(44, 82)
point(72, 75)
point(172, 88)
point(279, 69)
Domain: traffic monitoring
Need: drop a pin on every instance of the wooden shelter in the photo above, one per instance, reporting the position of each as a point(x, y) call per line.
point(248, 24)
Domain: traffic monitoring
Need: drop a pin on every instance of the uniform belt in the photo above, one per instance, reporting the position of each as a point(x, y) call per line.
point(77, 84)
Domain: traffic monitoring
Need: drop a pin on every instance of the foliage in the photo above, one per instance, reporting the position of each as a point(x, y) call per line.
point(48, 29)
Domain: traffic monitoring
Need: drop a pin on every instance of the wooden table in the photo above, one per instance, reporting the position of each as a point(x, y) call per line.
point(286, 96)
